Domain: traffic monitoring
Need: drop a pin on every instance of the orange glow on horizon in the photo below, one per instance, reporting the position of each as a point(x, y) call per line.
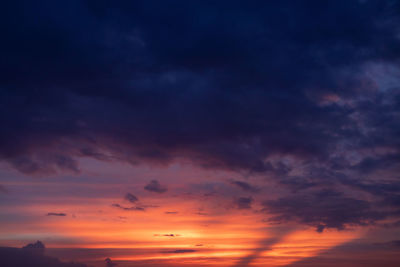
point(178, 229)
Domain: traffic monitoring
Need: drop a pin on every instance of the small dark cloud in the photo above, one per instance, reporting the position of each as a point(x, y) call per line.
point(320, 228)
point(245, 186)
point(171, 212)
point(199, 245)
point(109, 263)
point(167, 235)
point(155, 186)
point(243, 202)
point(39, 246)
point(131, 198)
point(134, 208)
point(56, 214)
point(180, 251)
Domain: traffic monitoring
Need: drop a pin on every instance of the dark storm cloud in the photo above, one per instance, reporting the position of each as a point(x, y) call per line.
point(31, 255)
point(131, 198)
point(198, 87)
point(155, 186)
point(259, 87)
point(56, 214)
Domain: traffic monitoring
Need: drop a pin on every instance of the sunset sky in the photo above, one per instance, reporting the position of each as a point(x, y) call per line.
point(200, 133)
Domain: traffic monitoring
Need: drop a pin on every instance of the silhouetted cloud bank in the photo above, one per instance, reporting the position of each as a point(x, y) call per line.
point(31, 255)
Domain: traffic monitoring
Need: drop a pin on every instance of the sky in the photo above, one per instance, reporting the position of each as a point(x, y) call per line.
point(200, 133)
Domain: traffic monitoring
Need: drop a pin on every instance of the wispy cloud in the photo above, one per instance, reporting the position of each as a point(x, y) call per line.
point(133, 208)
point(179, 251)
point(60, 214)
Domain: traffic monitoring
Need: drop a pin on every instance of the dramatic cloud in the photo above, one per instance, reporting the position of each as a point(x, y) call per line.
point(213, 97)
point(56, 214)
point(283, 90)
point(155, 186)
point(131, 198)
